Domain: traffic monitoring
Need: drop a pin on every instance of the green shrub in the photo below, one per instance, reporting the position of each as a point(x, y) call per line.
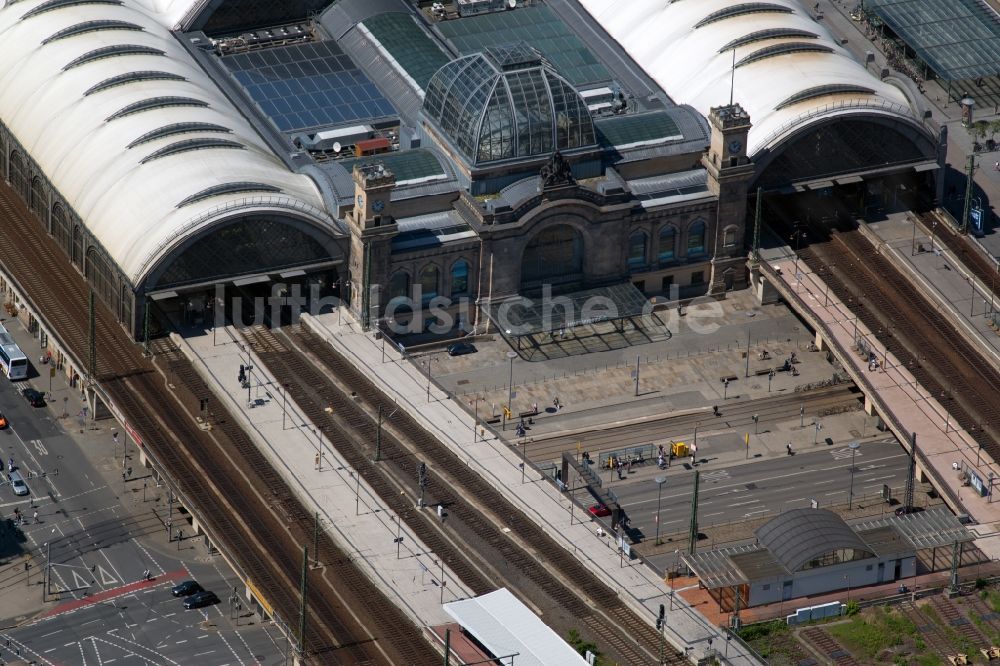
point(852, 608)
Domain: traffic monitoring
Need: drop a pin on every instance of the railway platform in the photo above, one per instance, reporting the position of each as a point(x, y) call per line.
point(946, 449)
point(402, 567)
point(640, 587)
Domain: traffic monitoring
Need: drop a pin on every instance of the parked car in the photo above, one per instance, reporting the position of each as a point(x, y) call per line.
point(599, 510)
point(461, 349)
point(201, 599)
point(3, 422)
point(17, 483)
point(34, 398)
point(186, 589)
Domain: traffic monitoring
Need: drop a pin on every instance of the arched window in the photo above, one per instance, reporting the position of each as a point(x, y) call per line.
point(668, 243)
point(19, 174)
point(696, 238)
point(555, 254)
point(637, 250)
point(101, 278)
point(399, 284)
point(729, 237)
point(429, 279)
point(37, 201)
point(460, 278)
point(61, 229)
point(77, 256)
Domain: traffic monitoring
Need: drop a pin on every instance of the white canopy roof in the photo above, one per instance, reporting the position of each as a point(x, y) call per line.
point(130, 130)
point(687, 46)
point(506, 626)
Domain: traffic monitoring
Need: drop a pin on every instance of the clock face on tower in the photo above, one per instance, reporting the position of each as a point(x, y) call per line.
point(378, 205)
point(361, 201)
point(735, 146)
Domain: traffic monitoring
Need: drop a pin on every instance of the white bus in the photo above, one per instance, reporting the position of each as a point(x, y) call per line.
point(12, 359)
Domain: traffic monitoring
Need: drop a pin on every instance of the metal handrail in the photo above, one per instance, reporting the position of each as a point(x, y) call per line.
point(862, 380)
point(861, 104)
point(229, 207)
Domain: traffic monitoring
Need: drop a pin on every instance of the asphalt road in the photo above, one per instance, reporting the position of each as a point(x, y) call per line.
point(757, 488)
point(101, 534)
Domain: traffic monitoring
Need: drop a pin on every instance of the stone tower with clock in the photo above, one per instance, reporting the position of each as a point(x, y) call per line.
point(729, 174)
point(372, 229)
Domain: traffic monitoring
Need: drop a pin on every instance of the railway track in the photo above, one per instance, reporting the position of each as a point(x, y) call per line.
point(957, 620)
point(338, 398)
point(349, 621)
point(735, 415)
point(826, 645)
point(902, 319)
point(931, 633)
point(971, 256)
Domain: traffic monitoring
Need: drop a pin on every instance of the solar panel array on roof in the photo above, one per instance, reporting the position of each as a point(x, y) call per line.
point(306, 86)
point(535, 25)
point(408, 44)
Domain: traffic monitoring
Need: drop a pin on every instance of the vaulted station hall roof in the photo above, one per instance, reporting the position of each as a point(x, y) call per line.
point(130, 130)
point(789, 71)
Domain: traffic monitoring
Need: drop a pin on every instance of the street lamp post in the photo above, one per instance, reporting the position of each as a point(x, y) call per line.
point(770, 376)
point(429, 359)
point(659, 493)
point(798, 235)
point(853, 446)
point(677, 556)
point(511, 355)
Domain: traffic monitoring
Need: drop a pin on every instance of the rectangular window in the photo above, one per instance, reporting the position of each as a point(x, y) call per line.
point(666, 283)
point(868, 568)
point(730, 239)
point(698, 277)
point(640, 285)
point(766, 587)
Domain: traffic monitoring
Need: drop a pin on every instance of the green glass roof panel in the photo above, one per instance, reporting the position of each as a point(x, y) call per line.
point(408, 44)
point(628, 130)
point(539, 27)
point(404, 165)
point(958, 39)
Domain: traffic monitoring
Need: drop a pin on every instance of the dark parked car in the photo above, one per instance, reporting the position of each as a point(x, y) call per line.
point(200, 599)
point(186, 589)
point(461, 349)
point(34, 398)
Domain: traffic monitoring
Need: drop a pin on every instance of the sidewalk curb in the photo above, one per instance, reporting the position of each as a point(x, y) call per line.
point(618, 424)
point(379, 578)
point(695, 626)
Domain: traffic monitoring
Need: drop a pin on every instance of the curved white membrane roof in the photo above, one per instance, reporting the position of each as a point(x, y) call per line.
point(789, 69)
point(130, 130)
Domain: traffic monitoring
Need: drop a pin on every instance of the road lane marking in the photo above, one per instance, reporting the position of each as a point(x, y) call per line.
point(51, 633)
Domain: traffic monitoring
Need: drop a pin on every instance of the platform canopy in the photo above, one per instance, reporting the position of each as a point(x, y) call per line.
point(932, 528)
point(959, 39)
point(522, 316)
point(507, 627)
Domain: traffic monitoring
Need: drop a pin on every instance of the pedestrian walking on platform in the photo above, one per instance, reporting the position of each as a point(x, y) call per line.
point(34, 518)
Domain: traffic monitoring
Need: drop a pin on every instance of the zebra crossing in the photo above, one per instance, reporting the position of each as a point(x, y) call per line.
point(715, 475)
point(841, 454)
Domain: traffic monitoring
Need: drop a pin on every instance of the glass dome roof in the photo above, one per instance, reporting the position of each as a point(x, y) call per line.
point(507, 102)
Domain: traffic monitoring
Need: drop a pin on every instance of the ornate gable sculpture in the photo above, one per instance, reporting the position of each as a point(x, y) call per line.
point(556, 172)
